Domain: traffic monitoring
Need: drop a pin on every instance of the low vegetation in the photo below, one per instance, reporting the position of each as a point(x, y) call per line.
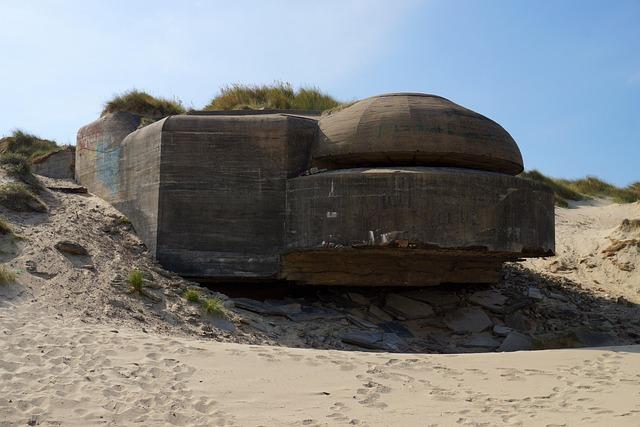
point(18, 197)
point(191, 295)
point(213, 306)
point(17, 167)
point(279, 96)
point(6, 276)
point(139, 102)
point(27, 145)
point(566, 190)
point(135, 280)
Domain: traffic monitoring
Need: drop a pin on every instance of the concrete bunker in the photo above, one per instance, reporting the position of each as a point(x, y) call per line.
point(398, 189)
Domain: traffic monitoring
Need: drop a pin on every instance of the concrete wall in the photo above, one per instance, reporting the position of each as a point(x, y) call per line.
point(443, 207)
point(99, 150)
point(59, 165)
point(223, 192)
point(122, 166)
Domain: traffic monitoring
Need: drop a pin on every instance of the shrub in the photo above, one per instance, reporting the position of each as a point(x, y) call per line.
point(6, 276)
point(135, 281)
point(191, 295)
point(279, 95)
point(138, 102)
point(27, 145)
point(213, 306)
point(18, 197)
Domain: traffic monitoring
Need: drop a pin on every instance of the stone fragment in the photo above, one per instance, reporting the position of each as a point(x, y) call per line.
point(535, 293)
point(434, 297)
point(392, 342)
point(407, 308)
point(396, 328)
point(314, 313)
point(365, 339)
point(357, 298)
point(518, 321)
point(287, 308)
point(379, 314)
point(516, 341)
point(222, 323)
point(468, 319)
point(483, 340)
point(256, 306)
point(589, 338)
point(362, 323)
point(72, 248)
point(502, 331)
point(489, 299)
point(559, 297)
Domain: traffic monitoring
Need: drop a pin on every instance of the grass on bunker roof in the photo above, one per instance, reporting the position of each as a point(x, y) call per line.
point(279, 95)
point(141, 103)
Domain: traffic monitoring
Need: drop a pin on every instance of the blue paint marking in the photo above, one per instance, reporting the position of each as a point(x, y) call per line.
point(108, 165)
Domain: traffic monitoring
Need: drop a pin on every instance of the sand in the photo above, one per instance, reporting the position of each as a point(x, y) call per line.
point(55, 371)
point(582, 234)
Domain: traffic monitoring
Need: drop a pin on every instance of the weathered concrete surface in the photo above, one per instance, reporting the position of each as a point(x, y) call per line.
point(413, 226)
point(414, 129)
point(99, 150)
point(442, 208)
point(123, 168)
point(223, 192)
point(59, 164)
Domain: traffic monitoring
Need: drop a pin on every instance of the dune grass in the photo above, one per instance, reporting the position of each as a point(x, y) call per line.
point(278, 95)
point(191, 295)
point(27, 145)
point(213, 306)
point(20, 198)
point(139, 102)
point(6, 276)
point(566, 190)
point(135, 280)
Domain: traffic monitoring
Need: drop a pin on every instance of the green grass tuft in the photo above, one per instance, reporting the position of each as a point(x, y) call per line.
point(6, 276)
point(213, 306)
point(279, 96)
point(191, 295)
point(141, 103)
point(135, 280)
point(18, 197)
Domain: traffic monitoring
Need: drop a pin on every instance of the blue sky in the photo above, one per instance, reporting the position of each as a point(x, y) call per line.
point(563, 77)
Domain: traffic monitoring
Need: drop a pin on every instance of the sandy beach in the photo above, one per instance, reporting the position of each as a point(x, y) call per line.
point(66, 372)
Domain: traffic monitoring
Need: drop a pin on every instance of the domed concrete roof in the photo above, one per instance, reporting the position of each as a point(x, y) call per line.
point(414, 129)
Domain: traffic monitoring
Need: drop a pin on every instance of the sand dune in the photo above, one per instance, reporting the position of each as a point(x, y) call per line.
point(65, 372)
point(583, 235)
